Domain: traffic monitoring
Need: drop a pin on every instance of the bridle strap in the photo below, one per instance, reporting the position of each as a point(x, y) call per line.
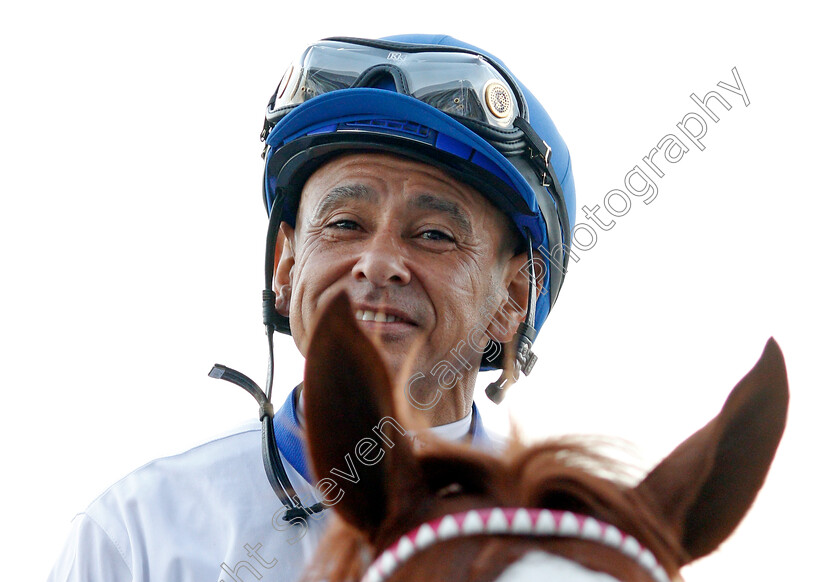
point(517, 521)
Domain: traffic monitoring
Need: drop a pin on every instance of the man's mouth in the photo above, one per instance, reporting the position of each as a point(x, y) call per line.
point(379, 317)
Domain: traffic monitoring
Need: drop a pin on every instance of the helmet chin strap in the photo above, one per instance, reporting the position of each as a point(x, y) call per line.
point(274, 470)
point(523, 340)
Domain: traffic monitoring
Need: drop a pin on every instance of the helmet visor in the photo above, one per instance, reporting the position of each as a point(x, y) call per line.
point(462, 84)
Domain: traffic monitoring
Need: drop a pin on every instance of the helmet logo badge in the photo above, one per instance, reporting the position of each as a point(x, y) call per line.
point(498, 99)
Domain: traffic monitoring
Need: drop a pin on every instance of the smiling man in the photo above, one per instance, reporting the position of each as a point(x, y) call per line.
point(414, 248)
point(417, 175)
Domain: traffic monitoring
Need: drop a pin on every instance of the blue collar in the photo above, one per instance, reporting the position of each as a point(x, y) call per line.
point(289, 441)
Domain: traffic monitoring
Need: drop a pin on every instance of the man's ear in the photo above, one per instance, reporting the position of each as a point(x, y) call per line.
point(514, 291)
point(284, 261)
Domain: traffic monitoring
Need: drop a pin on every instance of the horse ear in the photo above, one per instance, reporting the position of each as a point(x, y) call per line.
point(356, 445)
point(704, 488)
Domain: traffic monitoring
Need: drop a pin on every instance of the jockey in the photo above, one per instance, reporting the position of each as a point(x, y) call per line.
point(419, 176)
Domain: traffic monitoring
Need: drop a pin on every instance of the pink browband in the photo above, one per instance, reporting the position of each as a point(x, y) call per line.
point(512, 521)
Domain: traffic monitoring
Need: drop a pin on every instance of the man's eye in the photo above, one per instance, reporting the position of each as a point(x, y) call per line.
point(436, 235)
point(344, 224)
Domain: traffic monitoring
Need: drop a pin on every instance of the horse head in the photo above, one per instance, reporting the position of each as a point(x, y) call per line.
point(450, 512)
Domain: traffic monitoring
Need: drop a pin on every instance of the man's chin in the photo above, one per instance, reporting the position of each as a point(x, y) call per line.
point(398, 359)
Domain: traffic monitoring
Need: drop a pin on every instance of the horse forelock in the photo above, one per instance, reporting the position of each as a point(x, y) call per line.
point(568, 474)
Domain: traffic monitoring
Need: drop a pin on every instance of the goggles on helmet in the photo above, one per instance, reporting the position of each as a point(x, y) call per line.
point(455, 81)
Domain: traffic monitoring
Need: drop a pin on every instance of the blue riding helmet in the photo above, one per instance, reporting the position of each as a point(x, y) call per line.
point(434, 99)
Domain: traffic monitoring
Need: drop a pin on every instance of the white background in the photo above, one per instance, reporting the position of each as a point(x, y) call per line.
point(132, 234)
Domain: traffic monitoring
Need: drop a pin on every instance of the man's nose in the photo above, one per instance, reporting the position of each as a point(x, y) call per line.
point(382, 261)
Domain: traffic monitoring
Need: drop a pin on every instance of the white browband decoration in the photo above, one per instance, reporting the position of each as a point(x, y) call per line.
point(512, 521)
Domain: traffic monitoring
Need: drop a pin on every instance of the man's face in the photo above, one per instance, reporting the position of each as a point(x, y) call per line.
point(417, 251)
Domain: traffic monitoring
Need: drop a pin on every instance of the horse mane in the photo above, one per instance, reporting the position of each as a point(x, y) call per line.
point(569, 473)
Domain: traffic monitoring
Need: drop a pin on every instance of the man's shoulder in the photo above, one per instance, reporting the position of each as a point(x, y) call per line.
point(193, 511)
point(227, 452)
point(217, 471)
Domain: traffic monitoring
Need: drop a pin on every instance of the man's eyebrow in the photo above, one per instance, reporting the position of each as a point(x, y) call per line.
point(341, 194)
point(448, 207)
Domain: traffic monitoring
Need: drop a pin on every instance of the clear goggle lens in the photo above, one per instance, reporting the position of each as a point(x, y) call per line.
point(457, 83)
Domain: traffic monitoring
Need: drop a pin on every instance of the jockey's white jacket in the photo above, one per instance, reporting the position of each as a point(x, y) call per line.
point(208, 514)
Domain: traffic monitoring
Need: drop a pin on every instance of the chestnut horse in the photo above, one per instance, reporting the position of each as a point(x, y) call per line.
point(451, 512)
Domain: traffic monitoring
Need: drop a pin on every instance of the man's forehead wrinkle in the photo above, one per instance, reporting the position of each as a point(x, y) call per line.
point(448, 207)
point(343, 193)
